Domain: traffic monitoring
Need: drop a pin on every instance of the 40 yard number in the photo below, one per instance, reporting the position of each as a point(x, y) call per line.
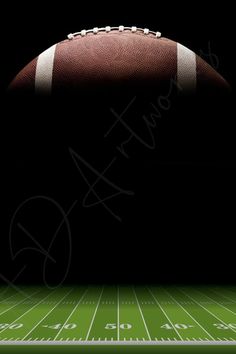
point(60, 326)
point(177, 326)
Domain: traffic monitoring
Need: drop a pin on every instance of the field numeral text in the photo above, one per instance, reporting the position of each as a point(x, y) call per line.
point(176, 325)
point(114, 326)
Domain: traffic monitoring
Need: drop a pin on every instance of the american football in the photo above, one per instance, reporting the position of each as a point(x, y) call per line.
point(117, 56)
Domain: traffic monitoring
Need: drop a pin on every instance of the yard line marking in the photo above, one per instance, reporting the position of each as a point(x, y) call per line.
point(226, 297)
point(37, 324)
point(208, 311)
point(72, 312)
point(118, 313)
point(39, 302)
point(95, 312)
point(18, 303)
point(141, 313)
point(157, 302)
point(190, 315)
point(216, 302)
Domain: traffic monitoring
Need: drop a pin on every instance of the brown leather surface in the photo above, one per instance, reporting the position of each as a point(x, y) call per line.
point(114, 58)
point(25, 80)
point(208, 78)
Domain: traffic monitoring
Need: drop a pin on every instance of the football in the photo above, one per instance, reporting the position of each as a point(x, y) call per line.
point(117, 57)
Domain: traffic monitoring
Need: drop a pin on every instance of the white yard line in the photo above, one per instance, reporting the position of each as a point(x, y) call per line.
point(118, 313)
point(48, 313)
point(95, 312)
point(190, 315)
point(157, 302)
point(141, 313)
point(212, 314)
point(216, 302)
point(72, 312)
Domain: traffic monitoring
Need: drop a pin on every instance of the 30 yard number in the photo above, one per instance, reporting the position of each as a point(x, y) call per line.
point(225, 326)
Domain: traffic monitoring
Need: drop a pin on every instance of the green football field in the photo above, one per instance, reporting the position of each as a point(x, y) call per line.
point(117, 316)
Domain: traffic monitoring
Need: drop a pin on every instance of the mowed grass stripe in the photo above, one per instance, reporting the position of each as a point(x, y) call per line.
point(164, 312)
point(203, 317)
point(217, 300)
point(9, 311)
point(179, 319)
point(82, 316)
point(45, 312)
point(52, 323)
point(63, 327)
point(94, 315)
point(131, 323)
point(225, 294)
point(198, 331)
point(219, 311)
point(25, 320)
point(8, 302)
point(106, 321)
point(209, 318)
point(153, 315)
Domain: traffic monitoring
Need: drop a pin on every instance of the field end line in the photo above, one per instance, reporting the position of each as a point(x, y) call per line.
point(141, 313)
point(157, 302)
point(190, 315)
point(212, 314)
point(95, 312)
point(26, 312)
point(48, 313)
point(118, 313)
point(18, 303)
point(72, 312)
point(226, 297)
point(216, 302)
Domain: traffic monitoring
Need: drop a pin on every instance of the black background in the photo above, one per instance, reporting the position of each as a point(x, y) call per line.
point(179, 225)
